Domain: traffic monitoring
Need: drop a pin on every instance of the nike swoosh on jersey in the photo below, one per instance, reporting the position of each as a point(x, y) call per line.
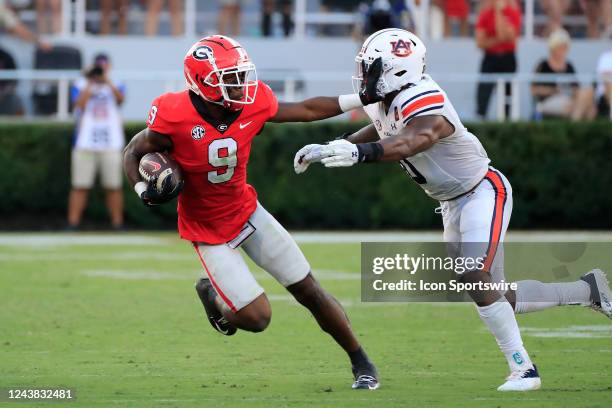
point(243, 125)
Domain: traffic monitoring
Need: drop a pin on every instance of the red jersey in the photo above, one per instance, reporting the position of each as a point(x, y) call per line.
point(216, 200)
point(486, 22)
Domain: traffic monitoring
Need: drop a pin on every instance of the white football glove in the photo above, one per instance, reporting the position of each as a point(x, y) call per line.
point(308, 154)
point(339, 153)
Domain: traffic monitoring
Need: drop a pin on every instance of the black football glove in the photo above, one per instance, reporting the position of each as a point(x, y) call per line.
point(371, 75)
point(151, 197)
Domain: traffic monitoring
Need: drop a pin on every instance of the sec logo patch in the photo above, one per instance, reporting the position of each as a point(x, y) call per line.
point(197, 132)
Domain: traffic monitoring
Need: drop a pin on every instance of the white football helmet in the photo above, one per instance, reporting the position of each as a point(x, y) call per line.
point(403, 59)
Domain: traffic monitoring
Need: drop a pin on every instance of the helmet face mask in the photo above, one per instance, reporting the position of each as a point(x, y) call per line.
point(219, 70)
point(238, 85)
point(403, 60)
point(361, 68)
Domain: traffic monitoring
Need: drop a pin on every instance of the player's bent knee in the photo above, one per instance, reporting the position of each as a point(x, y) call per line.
point(473, 276)
point(257, 324)
point(480, 297)
point(256, 316)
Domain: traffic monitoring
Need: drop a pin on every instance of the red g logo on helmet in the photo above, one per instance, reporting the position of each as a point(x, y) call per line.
point(202, 52)
point(401, 48)
point(218, 69)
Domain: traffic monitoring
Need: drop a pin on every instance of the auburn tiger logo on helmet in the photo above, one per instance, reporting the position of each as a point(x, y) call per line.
point(403, 59)
point(401, 48)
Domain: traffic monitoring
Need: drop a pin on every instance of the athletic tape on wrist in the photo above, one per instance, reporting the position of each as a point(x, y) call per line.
point(140, 188)
point(349, 102)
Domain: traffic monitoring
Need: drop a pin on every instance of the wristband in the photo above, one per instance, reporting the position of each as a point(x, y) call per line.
point(369, 152)
point(140, 188)
point(349, 102)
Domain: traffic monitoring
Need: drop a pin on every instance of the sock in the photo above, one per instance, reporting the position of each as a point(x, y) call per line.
point(359, 358)
point(533, 296)
point(499, 318)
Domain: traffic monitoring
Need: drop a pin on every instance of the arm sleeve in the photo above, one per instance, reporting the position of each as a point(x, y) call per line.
point(74, 93)
point(480, 21)
point(157, 118)
point(572, 70)
point(421, 101)
point(271, 98)
point(539, 69)
point(515, 20)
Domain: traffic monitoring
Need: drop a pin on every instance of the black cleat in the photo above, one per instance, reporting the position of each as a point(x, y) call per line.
point(365, 378)
point(207, 295)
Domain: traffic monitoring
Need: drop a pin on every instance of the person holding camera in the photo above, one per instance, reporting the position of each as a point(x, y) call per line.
point(98, 142)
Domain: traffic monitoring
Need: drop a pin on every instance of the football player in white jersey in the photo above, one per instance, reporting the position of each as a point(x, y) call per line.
point(416, 125)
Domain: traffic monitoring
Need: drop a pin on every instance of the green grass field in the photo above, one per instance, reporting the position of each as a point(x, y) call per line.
point(116, 319)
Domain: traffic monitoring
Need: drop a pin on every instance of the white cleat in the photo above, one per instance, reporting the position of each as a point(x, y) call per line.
point(601, 295)
point(526, 380)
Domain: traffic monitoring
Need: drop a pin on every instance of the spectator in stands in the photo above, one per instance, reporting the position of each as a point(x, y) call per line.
point(591, 102)
point(267, 11)
point(433, 23)
point(176, 16)
point(497, 29)
point(596, 11)
point(456, 12)
point(229, 17)
point(49, 16)
point(108, 9)
point(377, 16)
point(10, 103)
point(604, 85)
point(10, 22)
point(559, 99)
point(99, 142)
point(555, 11)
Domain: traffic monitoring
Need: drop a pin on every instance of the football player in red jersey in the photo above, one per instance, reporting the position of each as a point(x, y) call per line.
point(208, 129)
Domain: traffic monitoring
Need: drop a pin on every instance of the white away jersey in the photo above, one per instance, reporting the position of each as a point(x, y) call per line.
point(453, 165)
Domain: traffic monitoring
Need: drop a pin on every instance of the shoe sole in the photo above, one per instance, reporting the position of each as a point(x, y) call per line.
point(535, 387)
point(375, 387)
point(603, 302)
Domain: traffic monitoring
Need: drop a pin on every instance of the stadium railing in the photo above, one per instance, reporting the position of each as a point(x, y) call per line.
point(75, 17)
point(291, 80)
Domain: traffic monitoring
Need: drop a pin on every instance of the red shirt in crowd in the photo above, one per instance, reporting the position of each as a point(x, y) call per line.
point(486, 22)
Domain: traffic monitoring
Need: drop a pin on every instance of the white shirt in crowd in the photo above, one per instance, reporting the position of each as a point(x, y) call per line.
point(99, 125)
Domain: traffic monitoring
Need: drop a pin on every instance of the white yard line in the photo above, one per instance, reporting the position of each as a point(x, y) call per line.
point(149, 274)
point(593, 331)
point(115, 255)
point(436, 236)
point(60, 239)
point(130, 239)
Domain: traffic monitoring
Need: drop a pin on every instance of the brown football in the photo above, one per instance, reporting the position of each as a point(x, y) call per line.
point(162, 166)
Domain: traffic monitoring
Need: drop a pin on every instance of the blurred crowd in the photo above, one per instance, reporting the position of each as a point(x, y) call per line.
point(582, 18)
point(457, 18)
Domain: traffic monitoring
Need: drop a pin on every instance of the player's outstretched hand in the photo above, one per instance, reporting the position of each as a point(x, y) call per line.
point(339, 153)
point(305, 156)
point(371, 75)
